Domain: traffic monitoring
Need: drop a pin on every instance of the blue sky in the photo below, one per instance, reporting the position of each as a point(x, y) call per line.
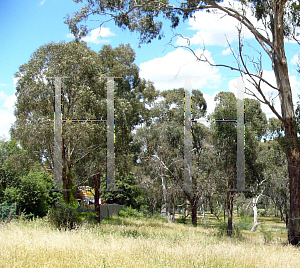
point(28, 24)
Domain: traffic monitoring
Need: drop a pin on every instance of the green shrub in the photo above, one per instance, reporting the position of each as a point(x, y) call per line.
point(267, 234)
point(122, 214)
point(87, 216)
point(182, 219)
point(261, 212)
point(245, 223)
point(63, 216)
point(130, 212)
point(246, 212)
point(32, 194)
point(145, 210)
point(157, 215)
point(222, 229)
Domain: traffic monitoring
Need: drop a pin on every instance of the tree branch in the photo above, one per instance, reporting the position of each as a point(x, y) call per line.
point(263, 41)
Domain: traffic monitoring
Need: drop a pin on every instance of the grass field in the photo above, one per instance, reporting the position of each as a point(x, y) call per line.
point(127, 242)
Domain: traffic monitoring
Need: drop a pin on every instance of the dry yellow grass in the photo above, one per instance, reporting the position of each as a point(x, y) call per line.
point(137, 243)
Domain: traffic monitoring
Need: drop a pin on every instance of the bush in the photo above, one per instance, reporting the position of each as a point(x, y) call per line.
point(245, 223)
point(261, 212)
point(222, 229)
point(267, 234)
point(157, 215)
point(32, 194)
point(182, 219)
point(122, 214)
point(145, 210)
point(130, 212)
point(87, 216)
point(63, 216)
point(246, 212)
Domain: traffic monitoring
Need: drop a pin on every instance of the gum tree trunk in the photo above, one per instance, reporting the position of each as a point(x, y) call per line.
point(194, 212)
point(64, 173)
point(166, 198)
point(229, 212)
point(288, 120)
point(255, 223)
point(96, 179)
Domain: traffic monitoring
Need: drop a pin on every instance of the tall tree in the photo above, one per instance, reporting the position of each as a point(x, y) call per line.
point(164, 145)
point(83, 96)
point(280, 19)
point(225, 143)
point(35, 99)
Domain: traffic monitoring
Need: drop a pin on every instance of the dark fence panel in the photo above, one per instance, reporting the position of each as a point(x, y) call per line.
point(105, 210)
point(110, 210)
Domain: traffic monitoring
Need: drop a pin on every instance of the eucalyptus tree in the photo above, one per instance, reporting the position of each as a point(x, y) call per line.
point(279, 20)
point(14, 163)
point(224, 139)
point(162, 143)
point(35, 98)
point(276, 174)
point(83, 97)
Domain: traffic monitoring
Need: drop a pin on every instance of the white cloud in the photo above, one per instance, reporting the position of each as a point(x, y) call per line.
point(269, 92)
point(226, 51)
point(174, 70)
point(295, 59)
point(96, 35)
point(3, 96)
point(215, 28)
point(7, 117)
point(42, 2)
point(3, 85)
point(15, 81)
point(9, 102)
point(211, 104)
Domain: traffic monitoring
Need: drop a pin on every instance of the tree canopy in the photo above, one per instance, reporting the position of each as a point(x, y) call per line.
point(83, 97)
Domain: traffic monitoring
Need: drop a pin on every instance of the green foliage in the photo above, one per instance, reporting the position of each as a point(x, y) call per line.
point(148, 26)
point(131, 195)
point(122, 214)
point(157, 215)
point(88, 216)
point(130, 212)
point(222, 227)
point(224, 136)
point(182, 219)
point(245, 223)
point(224, 133)
point(14, 163)
point(32, 193)
point(161, 144)
point(63, 216)
point(83, 96)
point(261, 212)
point(147, 18)
point(267, 234)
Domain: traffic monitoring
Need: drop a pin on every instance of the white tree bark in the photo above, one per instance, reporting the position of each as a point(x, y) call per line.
point(203, 212)
point(255, 223)
point(166, 199)
point(164, 188)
